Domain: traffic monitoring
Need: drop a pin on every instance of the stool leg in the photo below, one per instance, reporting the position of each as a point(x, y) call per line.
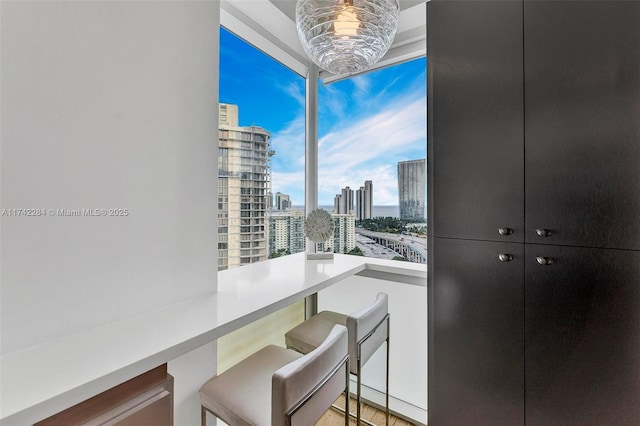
point(358, 393)
point(346, 396)
point(203, 416)
point(387, 395)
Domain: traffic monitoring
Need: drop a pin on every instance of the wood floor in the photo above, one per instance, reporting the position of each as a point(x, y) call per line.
point(336, 418)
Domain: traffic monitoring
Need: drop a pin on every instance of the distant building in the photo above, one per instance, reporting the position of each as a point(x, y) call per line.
point(343, 202)
point(242, 194)
point(283, 201)
point(344, 234)
point(336, 203)
point(228, 115)
point(412, 189)
point(364, 201)
point(286, 231)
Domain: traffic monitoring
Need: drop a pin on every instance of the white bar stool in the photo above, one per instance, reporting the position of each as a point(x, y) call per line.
point(279, 387)
point(368, 330)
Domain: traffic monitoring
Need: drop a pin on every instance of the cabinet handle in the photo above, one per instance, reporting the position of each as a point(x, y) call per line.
point(543, 232)
point(505, 231)
point(505, 257)
point(544, 260)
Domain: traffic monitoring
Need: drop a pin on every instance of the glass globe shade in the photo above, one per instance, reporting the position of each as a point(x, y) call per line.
point(346, 36)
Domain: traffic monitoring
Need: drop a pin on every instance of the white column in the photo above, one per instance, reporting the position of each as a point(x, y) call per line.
point(311, 164)
point(311, 144)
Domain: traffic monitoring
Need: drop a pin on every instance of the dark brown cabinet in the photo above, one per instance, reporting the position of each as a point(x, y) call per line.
point(477, 107)
point(582, 336)
point(476, 355)
point(561, 315)
point(582, 123)
point(478, 334)
point(145, 400)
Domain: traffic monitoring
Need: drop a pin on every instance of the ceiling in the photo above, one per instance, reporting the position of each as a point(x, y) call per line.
point(269, 25)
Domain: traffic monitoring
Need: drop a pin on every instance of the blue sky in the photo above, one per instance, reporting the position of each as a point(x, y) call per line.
point(366, 124)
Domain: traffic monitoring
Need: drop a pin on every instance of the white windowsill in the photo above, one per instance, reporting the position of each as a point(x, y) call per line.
point(43, 380)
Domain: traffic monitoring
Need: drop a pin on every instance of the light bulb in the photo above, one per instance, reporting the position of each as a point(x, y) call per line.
point(346, 23)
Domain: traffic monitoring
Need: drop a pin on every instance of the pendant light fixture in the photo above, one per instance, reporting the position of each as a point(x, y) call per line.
point(346, 36)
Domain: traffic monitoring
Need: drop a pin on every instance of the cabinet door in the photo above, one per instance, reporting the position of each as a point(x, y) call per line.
point(476, 119)
point(582, 336)
point(477, 343)
point(582, 121)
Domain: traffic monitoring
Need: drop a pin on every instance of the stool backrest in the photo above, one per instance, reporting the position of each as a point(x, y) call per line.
point(303, 390)
point(368, 329)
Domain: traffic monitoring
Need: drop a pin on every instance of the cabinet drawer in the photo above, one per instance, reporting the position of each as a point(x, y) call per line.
point(144, 400)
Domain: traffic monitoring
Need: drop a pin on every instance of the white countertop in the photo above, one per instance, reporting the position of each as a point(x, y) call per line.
point(46, 379)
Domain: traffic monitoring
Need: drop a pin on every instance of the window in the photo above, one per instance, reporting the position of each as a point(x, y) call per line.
point(261, 150)
point(372, 156)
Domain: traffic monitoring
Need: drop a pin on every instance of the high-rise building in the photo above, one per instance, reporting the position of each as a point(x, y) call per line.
point(243, 185)
point(283, 201)
point(228, 115)
point(412, 189)
point(344, 234)
point(364, 201)
point(343, 202)
point(286, 231)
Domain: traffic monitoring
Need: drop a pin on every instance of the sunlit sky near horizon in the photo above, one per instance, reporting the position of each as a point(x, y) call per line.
point(367, 124)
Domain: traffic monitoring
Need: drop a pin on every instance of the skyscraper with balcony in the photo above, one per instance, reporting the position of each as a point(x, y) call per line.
point(412, 189)
point(364, 201)
point(243, 184)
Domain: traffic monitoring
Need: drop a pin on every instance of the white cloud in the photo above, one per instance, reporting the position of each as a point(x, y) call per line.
point(362, 84)
point(288, 144)
point(290, 183)
point(369, 149)
point(333, 102)
point(296, 91)
point(396, 127)
point(287, 164)
point(358, 146)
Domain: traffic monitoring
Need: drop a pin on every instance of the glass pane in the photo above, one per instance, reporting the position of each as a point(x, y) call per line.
point(260, 155)
point(372, 162)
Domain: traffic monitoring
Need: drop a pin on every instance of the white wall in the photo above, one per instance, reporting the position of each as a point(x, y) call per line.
point(106, 105)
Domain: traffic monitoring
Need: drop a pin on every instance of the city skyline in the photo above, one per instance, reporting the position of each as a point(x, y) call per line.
point(367, 124)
